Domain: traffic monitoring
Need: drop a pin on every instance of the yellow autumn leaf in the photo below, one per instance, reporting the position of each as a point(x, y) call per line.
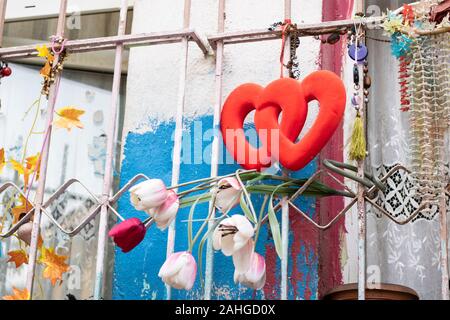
point(55, 265)
point(31, 165)
point(19, 257)
point(18, 295)
point(2, 159)
point(68, 117)
point(24, 207)
point(16, 165)
point(43, 51)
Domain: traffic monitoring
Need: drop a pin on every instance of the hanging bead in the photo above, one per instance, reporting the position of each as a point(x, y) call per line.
point(367, 82)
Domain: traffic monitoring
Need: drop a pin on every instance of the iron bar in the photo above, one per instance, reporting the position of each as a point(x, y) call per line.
point(176, 159)
point(209, 264)
point(3, 4)
point(284, 201)
point(110, 151)
point(305, 30)
point(44, 158)
point(444, 246)
point(109, 43)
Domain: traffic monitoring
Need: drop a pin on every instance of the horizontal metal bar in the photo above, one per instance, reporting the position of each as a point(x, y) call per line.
point(109, 43)
point(304, 30)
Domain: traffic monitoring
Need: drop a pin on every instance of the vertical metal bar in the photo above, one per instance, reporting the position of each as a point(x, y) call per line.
point(110, 149)
point(362, 228)
point(3, 4)
point(285, 206)
point(444, 246)
point(215, 144)
point(44, 159)
point(176, 162)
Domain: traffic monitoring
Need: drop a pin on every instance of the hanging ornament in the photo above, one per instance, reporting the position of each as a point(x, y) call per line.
point(24, 232)
point(358, 141)
point(362, 52)
point(5, 70)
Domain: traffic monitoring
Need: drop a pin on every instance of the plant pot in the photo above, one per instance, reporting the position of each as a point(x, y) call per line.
point(382, 291)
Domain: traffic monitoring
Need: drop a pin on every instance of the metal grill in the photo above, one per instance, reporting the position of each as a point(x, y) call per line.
point(104, 205)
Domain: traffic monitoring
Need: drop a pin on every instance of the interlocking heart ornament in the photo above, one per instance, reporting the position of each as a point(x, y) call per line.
point(277, 139)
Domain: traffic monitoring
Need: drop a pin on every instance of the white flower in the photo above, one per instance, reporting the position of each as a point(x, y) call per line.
point(232, 234)
point(148, 194)
point(179, 270)
point(166, 213)
point(255, 277)
point(228, 195)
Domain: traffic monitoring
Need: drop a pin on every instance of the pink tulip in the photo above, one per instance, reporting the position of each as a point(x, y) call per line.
point(255, 277)
point(179, 270)
point(166, 213)
point(128, 234)
point(228, 195)
point(242, 257)
point(232, 234)
point(148, 194)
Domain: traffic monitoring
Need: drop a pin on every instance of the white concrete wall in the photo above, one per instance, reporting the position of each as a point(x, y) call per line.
point(153, 71)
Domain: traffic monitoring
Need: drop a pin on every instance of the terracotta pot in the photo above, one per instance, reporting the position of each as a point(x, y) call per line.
point(384, 291)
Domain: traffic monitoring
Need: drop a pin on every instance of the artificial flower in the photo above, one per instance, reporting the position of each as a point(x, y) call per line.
point(148, 194)
point(242, 257)
point(128, 234)
point(228, 194)
point(166, 213)
point(232, 234)
point(179, 270)
point(255, 277)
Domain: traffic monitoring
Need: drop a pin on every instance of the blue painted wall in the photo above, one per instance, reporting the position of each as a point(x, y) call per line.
point(136, 272)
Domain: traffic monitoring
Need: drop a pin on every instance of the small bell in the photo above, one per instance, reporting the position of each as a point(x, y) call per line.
point(24, 232)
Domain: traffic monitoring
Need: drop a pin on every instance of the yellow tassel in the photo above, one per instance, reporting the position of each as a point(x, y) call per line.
point(358, 141)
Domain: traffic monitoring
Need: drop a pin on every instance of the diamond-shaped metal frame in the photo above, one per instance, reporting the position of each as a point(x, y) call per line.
point(91, 215)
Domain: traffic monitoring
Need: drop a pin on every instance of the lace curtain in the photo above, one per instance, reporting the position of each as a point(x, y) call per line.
point(405, 254)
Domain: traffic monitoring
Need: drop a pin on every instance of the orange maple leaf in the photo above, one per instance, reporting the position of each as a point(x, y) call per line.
point(55, 265)
point(19, 257)
point(2, 159)
point(24, 207)
point(69, 118)
point(46, 70)
point(18, 295)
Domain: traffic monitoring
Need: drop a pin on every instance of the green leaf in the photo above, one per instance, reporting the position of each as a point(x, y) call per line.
point(200, 250)
point(191, 216)
point(275, 228)
point(246, 209)
point(188, 201)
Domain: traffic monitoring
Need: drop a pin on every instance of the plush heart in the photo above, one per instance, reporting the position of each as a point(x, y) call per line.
point(244, 100)
point(290, 97)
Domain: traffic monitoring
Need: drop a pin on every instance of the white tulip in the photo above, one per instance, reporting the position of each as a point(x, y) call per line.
point(166, 213)
point(232, 234)
point(228, 194)
point(148, 194)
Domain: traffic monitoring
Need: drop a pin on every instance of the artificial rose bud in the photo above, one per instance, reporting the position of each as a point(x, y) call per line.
point(228, 195)
point(166, 213)
point(148, 194)
point(128, 234)
point(179, 270)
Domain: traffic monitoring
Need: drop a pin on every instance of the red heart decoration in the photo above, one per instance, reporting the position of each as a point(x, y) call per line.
point(291, 97)
point(242, 101)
